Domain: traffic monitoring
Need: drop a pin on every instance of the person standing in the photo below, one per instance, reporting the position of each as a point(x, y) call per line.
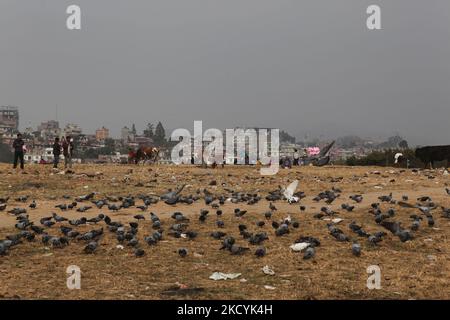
point(56, 152)
point(67, 146)
point(19, 147)
point(296, 157)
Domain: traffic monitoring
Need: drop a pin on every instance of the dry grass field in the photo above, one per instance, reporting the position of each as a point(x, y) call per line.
point(417, 269)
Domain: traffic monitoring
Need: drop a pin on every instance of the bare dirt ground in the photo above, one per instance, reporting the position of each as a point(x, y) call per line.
point(417, 269)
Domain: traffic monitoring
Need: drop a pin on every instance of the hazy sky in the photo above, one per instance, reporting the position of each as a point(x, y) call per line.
point(305, 66)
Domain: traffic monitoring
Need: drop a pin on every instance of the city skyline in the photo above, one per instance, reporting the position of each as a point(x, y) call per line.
point(305, 67)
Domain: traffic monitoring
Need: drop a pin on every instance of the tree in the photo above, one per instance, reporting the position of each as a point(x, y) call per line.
point(149, 131)
point(285, 137)
point(403, 144)
point(160, 135)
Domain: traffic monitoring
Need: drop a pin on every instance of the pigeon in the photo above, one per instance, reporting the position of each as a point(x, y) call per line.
point(446, 212)
point(58, 218)
point(282, 230)
point(85, 197)
point(191, 234)
point(4, 200)
point(347, 207)
point(302, 208)
point(219, 213)
point(237, 250)
point(182, 252)
point(268, 215)
point(272, 207)
point(151, 241)
point(133, 242)
point(430, 220)
point(356, 249)
point(260, 223)
point(220, 224)
point(96, 219)
point(142, 208)
point(138, 252)
point(424, 199)
point(260, 252)
point(33, 205)
point(289, 192)
point(218, 235)
point(84, 208)
point(154, 217)
point(91, 247)
point(22, 199)
point(113, 207)
point(258, 238)
point(37, 229)
point(310, 252)
point(357, 198)
point(3, 249)
point(77, 222)
point(139, 217)
point(2, 207)
point(62, 207)
point(47, 223)
point(448, 191)
point(387, 198)
point(17, 211)
point(227, 243)
point(172, 197)
point(239, 213)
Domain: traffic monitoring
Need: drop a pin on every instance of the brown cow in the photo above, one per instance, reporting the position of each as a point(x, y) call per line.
point(143, 154)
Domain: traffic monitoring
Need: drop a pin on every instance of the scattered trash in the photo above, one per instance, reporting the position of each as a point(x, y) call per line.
point(300, 246)
point(268, 271)
point(269, 287)
point(224, 276)
point(119, 246)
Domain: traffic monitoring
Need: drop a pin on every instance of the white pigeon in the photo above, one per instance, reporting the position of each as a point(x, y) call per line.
point(289, 192)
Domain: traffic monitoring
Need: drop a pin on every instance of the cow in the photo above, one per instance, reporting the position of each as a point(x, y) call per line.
point(431, 154)
point(143, 154)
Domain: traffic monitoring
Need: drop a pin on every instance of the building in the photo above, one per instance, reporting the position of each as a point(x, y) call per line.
point(143, 141)
point(72, 130)
point(126, 135)
point(49, 130)
point(9, 119)
point(102, 134)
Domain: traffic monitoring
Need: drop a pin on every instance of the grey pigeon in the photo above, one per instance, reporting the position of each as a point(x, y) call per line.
point(182, 252)
point(260, 252)
point(310, 252)
point(91, 247)
point(356, 249)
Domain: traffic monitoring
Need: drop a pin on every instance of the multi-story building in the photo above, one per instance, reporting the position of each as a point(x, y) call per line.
point(9, 119)
point(49, 130)
point(102, 134)
point(72, 130)
point(126, 135)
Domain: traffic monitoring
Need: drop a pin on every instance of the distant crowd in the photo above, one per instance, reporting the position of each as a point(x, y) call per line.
point(65, 146)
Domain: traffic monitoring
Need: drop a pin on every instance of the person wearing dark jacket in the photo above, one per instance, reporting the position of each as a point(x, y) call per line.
point(56, 152)
point(18, 146)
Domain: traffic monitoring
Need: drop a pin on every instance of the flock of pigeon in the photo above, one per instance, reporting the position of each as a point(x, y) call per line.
point(57, 231)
